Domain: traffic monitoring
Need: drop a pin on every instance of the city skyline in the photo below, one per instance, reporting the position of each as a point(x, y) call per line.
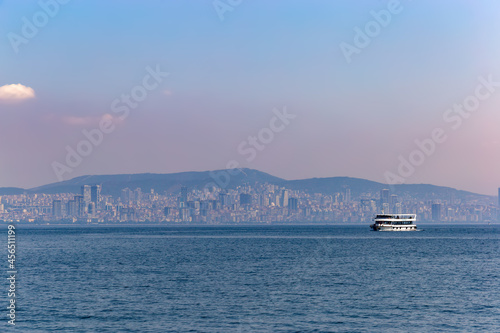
point(222, 178)
point(261, 203)
point(298, 90)
point(242, 197)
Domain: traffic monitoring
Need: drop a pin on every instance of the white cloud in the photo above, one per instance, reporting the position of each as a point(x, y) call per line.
point(16, 92)
point(71, 120)
point(89, 120)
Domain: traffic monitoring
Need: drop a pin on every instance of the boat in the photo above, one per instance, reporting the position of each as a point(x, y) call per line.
point(394, 222)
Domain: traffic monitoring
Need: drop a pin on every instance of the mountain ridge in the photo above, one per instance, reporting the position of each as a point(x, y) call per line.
point(171, 182)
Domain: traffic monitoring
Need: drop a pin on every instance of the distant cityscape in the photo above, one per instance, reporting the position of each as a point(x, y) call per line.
point(259, 203)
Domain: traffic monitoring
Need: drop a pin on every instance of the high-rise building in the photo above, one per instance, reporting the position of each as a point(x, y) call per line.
point(127, 196)
point(450, 214)
point(393, 199)
point(184, 194)
point(386, 208)
point(223, 199)
point(384, 197)
point(95, 194)
point(397, 208)
point(284, 198)
point(80, 205)
point(57, 208)
point(92, 209)
point(138, 195)
point(87, 194)
point(293, 203)
point(184, 214)
point(263, 200)
point(347, 194)
point(72, 208)
point(437, 211)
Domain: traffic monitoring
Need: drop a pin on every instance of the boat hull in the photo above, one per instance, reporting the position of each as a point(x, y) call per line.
point(386, 227)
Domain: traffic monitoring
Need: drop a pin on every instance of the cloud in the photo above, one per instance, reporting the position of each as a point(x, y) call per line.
point(16, 92)
point(90, 120)
point(71, 120)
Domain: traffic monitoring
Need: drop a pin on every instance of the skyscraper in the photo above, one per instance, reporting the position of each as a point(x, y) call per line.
point(263, 200)
point(284, 198)
point(223, 199)
point(184, 194)
point(347, 194)
point(393, 200)
point(293, 204)
point(80, 204)
point(71, 208)
point(384, 197)
point(437, 212)
point(92, 209)
point(86, 192)
point(57, 208)
point(386, 209)
point(138, 195)
point(95, 194)
point(397, 208)
point(126, 196)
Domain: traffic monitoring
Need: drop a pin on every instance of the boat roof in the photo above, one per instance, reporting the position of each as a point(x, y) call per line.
point(392, 216)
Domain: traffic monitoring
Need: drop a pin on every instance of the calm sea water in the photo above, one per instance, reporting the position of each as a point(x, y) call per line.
point(256, 279)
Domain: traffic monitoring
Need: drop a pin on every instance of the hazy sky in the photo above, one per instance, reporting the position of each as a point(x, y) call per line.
point(230, 64)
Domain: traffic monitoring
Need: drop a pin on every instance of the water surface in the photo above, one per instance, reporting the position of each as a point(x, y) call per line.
point(257, 279)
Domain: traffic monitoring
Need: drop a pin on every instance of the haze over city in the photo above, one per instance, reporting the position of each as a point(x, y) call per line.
point(216, 77)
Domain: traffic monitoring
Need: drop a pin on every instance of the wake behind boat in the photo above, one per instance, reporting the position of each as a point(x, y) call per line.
point(394, 222)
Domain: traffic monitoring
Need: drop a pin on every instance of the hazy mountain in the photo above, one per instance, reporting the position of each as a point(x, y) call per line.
point(335, 185)
point(113, 184)
point(11, 190)
point(360, 186)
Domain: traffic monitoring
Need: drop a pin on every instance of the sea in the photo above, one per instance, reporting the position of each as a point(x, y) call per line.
point(444, 278)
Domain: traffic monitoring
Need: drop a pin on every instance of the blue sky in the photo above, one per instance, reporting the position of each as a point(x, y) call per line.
point(226, 76)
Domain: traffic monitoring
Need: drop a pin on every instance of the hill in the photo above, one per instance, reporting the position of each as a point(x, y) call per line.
point(113, 184)
point(11, 190)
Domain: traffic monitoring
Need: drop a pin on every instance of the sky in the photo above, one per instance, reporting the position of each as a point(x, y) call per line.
point(391, 91)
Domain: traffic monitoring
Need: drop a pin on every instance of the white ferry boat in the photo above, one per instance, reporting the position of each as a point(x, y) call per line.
point(394, 222)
